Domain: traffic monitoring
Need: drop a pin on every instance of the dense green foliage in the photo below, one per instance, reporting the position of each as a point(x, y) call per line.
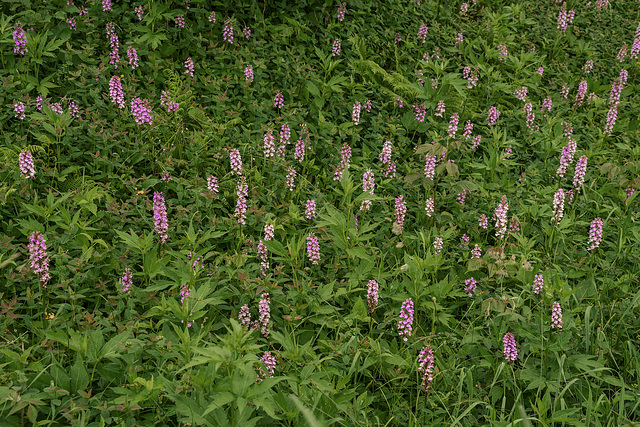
point(172, 349)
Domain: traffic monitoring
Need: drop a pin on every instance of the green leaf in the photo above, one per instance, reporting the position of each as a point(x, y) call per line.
point(79, 376)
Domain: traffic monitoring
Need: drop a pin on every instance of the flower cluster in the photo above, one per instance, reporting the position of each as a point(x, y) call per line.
point(160, 217)
point(372, 295)
point(336, 47)
point(582, 92)
point(236, 161)
point(476, 142)
point(190, 68)
point(241, 203)
point(246, 32)
point(502, 52)
point(341, 11)
point(72, 22)
point(139, 12)
point(278, 100)
point(437, 245)
point(212, 184)
point(566, 157)
point(470, 286)
point(581, 170)
point(521, 94)
point(270, 365)
point(546, 105)
point(538, 283)
point(132, 54)
point(248, 73)
point(291, 178)
point(558, 206)
point(368, 185)
point(501, 217)
point(106, 5)
point(565, 17)
point(179, 21)
point(227, 31)
point(483, 221)
point(18, 108)
point(472, 80)
point(405, 324)
point(285, 135)
point(493, 115)
point(476, 252)
point(262, 254)
point(345, 162)
point(212, 17)
point(440, 108)
point(510, 350)
point(38, 258)
point(420, 112)
point(115, 45)
point(265, 314)
point(245, 316)
point(385, 158)
point(310, 209)
point(426, 365)
point(313, 249)
point(25, 161)
point(401, 210)
point(269, 145)
point(127, 281)
point(556, 315)
point(422, 33)
point(453, 125)
point(468, 129)
point(531, 116)
point(429, 207)
point(19, 39)
point(115, 91)
point(141, 111)
point(355, 114)
point(595, 234)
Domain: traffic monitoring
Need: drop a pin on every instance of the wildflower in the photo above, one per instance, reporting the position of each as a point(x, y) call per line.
point(510, 349)
point(595, 234)
point(564, 92)
point(227, 32)
point(270, 365)
point(160, 216)
point(419, 76)
point(546, 105)
point(141, 111)
point(521, 94)
point(246, 32)
point(514, 225)
point(236, 162)
point(139, 12)
point(401, 210)
point(468, 128)
point(336, 47)
point(39, 102)
point(355, 114)
point(248, 73)
point(541, 70)
point(278, 101)
point(291, 177)
point(472, 81)
point(172, 107)
point(476, 252)
point(470, 286)
point(501, 217)
point(262, 254)
point(18, 108)
point(114, 43)
point(20, 39)
point(453, 125)
point(538, 283)
point(341, 11)
point(558, 206)
point(566, 157)
point(244, 316)
point(372, 295)
point(132, 54)
point(556, 315)
point(265, 314)
point(72, 22)
point(588, 66)
point(565, 18)
point(459, 40)
point(25, 161)
point(493, 116)
point(57, 108)
point(426, 362)
point(368, 185)
point(299, 151)
point(476, 142)
point(115, 91)
point(344, 163)
point(440, 109)
point(483, 221)
point(310, 209)
point(437, 245)
point(398, 103)
point(581, 170)
point(73, 110)
point(269, 147)
point(429, 207)
point(285, 135)
point(106, 5)
point(269, 231)
point(612, 115)
point(422, 33)
point(461, 197)
point(420, 112)
point(212, 17)
point(405, 324)
point(241, 202)
point(179, 21)
point(531, 116)
point(212, 184)
point(188, 64)
point(313, 249)
point(502, 52)
point(38, 258)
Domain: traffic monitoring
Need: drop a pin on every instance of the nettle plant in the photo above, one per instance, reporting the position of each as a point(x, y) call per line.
point(290, 213)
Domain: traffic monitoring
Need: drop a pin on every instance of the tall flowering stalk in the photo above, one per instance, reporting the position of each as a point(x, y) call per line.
point(355, 113)
point(429, 207)
point(227, 32)
point(160, 217)
point(212, 184)
point(510, 350)
point(265, 314)
point(25, 161)
point(244, 316)
point(141, 111)
point(401, 210)
point(341, 11)
point(368, 185)
point(291, 178)
point(132, 54)
point(426, 365)
point(269, 144)
point(501, 217)
point(127, 281)
point(38, 258)
point(278, 100)
point(236, 162)
point(310, 209)
point(372, 295)
point(566, 157)
point(248, 73)
point(470, 285)
point(595, 234)
point(115, 91)
point(437, 245)
point(558, 206)
point(430, 166)
point(270, 364)
point(493, 115)
point(263, 254)
point(581, 170)
point(241, 202)
point(344, 163)
point(453, 125)
point(336, 47)
point(190, 67)
point(538, 283)
point(405, 323)
point(556, 315)
point(19, 39)
point(313, 249)
point(114, 56)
